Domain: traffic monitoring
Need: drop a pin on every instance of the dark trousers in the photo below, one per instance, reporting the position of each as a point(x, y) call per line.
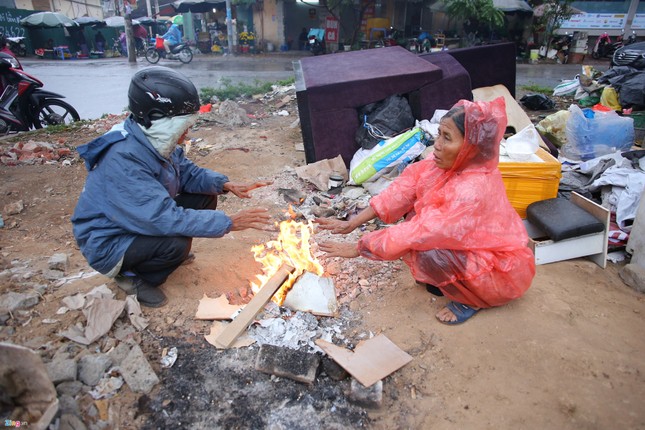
point(154, 258)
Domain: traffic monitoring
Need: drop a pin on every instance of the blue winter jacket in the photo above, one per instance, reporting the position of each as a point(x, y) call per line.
point(130, 191)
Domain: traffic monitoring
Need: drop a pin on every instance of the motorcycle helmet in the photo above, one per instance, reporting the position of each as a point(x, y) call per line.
point(159, 92)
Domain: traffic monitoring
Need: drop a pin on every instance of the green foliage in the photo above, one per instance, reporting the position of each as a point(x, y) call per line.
point(230, 91)
point(555, 12)
point(534, 88)
point(481, 11)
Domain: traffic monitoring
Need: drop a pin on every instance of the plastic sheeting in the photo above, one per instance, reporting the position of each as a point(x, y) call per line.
point(460, 232)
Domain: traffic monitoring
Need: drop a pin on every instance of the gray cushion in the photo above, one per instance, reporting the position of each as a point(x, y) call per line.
point(561, 219)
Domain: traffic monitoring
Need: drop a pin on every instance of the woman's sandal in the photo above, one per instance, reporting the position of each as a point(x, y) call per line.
point(461, 311)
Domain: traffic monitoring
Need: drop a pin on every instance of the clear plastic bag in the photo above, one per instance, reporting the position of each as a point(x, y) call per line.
point(592, 134)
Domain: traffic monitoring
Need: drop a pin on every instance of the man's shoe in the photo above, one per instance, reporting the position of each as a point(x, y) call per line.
point(149, 296)
point(125, 282)
point(190, 259)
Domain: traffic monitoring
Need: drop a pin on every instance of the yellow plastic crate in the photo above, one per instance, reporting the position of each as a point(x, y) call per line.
point(528, 182)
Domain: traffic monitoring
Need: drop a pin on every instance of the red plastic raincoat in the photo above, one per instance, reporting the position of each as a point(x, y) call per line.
point(460, 234)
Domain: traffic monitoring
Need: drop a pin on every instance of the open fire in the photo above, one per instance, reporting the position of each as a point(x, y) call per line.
point(292, 247)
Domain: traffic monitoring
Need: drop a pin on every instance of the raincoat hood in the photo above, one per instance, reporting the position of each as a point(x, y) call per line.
point(484, 127)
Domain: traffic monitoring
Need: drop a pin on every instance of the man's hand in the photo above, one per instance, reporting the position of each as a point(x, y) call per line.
point(257, 218)
point(340, 249)
point(336, 226)
point(242, 190)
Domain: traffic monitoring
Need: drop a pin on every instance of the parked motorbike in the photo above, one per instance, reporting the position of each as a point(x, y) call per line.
point(604, 47)
point(181, 52)
point(25, 105)
point(316, 41)
point(17, 46)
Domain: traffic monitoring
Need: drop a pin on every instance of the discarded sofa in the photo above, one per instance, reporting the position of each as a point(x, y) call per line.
point(331, 88)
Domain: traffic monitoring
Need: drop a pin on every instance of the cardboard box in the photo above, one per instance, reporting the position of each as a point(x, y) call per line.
point(528, 182)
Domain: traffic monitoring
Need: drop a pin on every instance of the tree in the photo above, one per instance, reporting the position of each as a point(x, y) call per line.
point(550, 15)
point(352, 12)
point(475, 14)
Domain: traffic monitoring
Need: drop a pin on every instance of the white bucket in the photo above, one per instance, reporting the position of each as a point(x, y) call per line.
point(270, 47)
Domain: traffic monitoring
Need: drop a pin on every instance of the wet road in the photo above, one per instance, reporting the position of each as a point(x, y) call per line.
point(98, 87)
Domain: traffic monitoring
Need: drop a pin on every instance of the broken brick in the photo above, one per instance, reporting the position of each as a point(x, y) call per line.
point(289, 363)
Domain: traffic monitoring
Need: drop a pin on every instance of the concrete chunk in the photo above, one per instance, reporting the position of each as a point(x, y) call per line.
point(92, 367)
point(61, 370)
point(58, 262)
point(289, 363)
point(13, 301)
point(634, 276)
point(137, 372)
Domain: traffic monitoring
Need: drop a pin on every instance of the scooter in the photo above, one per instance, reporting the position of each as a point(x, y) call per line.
point(316, 41)
point(25, 105)
point(181, 52)
point(604, 47)
point(17, 46)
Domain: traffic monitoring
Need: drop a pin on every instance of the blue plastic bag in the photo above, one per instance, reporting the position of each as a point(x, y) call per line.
point(592, 134)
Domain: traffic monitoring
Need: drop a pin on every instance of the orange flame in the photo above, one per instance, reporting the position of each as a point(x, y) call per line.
point(291, 247)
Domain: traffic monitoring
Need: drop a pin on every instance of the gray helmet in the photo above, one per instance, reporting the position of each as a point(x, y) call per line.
point(158, 92)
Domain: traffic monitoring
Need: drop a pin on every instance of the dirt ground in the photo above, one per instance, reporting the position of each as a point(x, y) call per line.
point(567, 355)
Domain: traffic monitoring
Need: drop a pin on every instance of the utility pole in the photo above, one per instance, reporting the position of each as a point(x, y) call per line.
point(149, 8)
point(229, 27)
point(129, 35)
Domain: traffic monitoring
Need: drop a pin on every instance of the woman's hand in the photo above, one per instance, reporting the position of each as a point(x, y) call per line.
point(257, 218)
point(334, 225)
point(340, 249)
point(242, 190)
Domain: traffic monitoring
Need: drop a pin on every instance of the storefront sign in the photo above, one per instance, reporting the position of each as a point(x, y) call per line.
point(605, 21)
point(331, 30)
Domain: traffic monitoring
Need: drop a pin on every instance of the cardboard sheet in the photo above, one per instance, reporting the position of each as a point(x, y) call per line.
point(517, 118)
point(371, 360)
point(216, 309)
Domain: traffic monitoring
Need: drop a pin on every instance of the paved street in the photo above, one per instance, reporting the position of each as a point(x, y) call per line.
point(97, 87)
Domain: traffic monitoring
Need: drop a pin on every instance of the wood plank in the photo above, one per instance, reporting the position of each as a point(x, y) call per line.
point(603, 215)
point(371, 360)
point(245, 317)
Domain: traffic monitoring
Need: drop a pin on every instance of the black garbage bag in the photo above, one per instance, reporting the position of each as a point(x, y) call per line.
point(537, 102)
point(384, 119)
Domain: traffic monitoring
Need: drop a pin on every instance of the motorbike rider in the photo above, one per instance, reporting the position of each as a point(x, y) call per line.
point(143, 200)
point(140, 35)
point(171, 37)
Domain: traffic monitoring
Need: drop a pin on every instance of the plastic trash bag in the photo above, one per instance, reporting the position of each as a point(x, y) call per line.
point(554, 127)
point(592, 134)
point(383, 120)
point(369, 164)
point(609, 98)
point(567, 88)
point(522, 145)
point(537, 102)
